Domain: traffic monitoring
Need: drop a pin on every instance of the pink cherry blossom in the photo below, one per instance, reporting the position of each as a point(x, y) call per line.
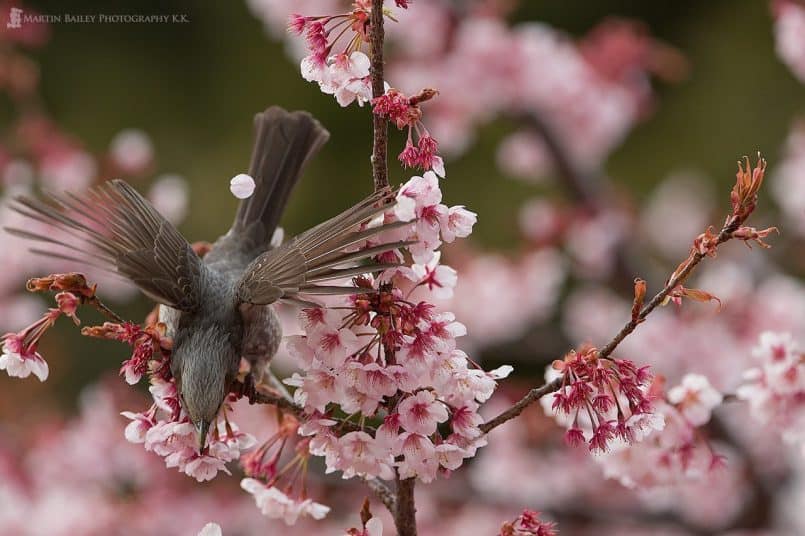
point(276, 504)
point(439, 279)
point(457, 223)
point(211, 529)
point(361, 456)
point(789, 28)
point(204, 468)
point(450, 456)
point(131, 150)
point(421, 413)
point(416, 194)
point(695, 398)
point(419, 457)
point(137, 429)
point(20, 361)
point(333, 346)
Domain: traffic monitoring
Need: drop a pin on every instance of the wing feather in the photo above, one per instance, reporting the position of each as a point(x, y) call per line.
point(113, 227)
point(321, 254)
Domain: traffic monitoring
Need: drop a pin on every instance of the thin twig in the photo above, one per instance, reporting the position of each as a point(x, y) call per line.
point(678, 278)
point(514, 411)
point(379, 124)
point(103, 309)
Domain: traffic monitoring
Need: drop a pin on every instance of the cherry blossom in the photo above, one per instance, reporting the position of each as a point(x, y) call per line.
point(528, 524)
point(131, 150)
point(421, 413)
point(20, 358)
point(211, 529)
point(20, 361)
point(276, 504)
point(789, 28)
point(695, 398)
point(774, 390)
point(438, 278)
point(600, 399)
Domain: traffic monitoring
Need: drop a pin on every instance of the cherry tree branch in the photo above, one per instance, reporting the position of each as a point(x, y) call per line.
point(405, 509)
point(276, 399)
point(401, 506)
point(515, 411)
point(678, 278)
point(384, 493)
point(680, 275)
point(379, 124)
point(102, 308)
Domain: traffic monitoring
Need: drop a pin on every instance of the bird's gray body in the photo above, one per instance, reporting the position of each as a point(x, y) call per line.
point(254, 330)
point(220, 308)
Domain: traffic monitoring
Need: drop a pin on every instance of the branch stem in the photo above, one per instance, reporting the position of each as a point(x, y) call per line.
point(379, 124)
point(405, 514)
point(103, 309)
point(678, 278)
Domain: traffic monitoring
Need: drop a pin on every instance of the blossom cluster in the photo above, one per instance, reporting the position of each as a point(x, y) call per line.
point(528, 523)
point(602, 399)
point(165, 428)
point(392, 365)
point(405, 113)
point(346, 76)
point(343, 73)
point(775, 389)
point(20, 357)
point(788, 186)
point(678, 450)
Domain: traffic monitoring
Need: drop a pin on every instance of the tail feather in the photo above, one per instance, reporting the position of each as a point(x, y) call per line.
point(284, 142)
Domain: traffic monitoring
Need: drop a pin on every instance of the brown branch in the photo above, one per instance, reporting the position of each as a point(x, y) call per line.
point(379, 124)
point(514, 411)
point(102, 308)
point(384, 493)
point(276, 399)
point(405, 512)
point(402, 505)
point(678, 278)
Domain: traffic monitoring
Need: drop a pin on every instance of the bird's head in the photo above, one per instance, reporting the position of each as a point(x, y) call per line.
point(203, 365)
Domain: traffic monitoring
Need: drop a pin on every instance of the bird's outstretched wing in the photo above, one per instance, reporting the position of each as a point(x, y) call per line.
point(321, 254)
point(116, 229)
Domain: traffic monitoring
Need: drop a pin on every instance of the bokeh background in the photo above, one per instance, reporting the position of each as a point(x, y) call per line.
point(192, 89)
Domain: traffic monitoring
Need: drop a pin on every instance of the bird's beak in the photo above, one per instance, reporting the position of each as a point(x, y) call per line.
point(202, 427)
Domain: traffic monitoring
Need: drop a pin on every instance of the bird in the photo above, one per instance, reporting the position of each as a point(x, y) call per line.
point(220, 308)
